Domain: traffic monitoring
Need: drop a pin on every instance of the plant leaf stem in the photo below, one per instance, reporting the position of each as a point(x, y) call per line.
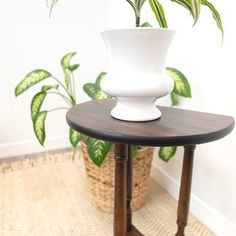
point(67, 91)
point(59, 108)
point(66, 99)
point(73, 87)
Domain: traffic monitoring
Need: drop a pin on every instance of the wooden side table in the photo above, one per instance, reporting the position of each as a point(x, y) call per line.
point(176, 127)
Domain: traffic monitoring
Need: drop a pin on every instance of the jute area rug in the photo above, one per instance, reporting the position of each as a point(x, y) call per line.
point(47, 196)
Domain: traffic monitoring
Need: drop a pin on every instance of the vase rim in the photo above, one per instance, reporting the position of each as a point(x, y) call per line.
point(139, 29)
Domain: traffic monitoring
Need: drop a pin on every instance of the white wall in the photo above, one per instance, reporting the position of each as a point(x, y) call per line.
point(210, 68)
point(30, 39)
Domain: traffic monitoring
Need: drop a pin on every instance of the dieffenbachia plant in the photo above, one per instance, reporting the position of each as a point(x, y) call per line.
point(65, 90)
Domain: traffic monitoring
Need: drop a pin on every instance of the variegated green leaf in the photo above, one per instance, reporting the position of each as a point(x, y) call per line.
point(73, 67)
point(174, 99)
point(49, 87)
point(184, 3)
point(90, 89)
point(196, 9)
point(216, 15)
point(31, 79)
point(146, 24)
point(165, 153)
point(93, 90)
point(98, 150)
point(39, 126)
point(98, 80)
point(101, 95)
point(65, 61)
point(36, 104)
point(159, 13)
point(193, 6)
point(74, 137)
point(181, 84)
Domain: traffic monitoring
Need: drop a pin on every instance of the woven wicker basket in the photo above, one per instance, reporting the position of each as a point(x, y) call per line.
point(101, 180)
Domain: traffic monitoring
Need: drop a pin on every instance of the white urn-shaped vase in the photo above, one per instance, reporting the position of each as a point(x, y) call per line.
point(137, 76)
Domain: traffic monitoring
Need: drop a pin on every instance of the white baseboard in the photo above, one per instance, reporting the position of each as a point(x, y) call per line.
point(214, 220)
point(32, 146)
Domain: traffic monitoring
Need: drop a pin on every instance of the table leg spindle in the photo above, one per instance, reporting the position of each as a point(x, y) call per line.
point(120, 190)
point(185, 189)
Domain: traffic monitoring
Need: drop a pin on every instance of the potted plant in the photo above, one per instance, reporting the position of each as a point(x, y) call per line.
point(98, 155)
point(137, 60)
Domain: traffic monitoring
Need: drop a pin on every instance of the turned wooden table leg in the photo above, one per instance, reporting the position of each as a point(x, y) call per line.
point(130, 229)
point(185, 189)
point(120, 190)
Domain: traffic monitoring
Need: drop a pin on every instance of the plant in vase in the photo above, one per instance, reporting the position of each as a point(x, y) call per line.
point(137, 60)
point(137, 64)
point(137, 75)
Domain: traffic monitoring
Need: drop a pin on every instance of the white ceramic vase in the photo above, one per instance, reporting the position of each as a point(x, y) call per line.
point(136, 76)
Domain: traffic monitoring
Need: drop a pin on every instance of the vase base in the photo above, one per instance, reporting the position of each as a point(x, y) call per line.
point(136, 109)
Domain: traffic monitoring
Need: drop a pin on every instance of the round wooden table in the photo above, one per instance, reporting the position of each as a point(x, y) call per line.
point(176, 127)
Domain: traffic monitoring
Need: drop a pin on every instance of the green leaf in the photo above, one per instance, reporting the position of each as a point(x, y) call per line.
point(196, 9)
point(31, 79)
point(45, 88)
point(216, 15)
point(146, 24)
point(73, 67)
point(181, 84)
point(93, 90)
point(67, 67)
point(90, 89)
point(98, 150)
point(39, 126)
point(174, 99)
point(165, 153)
point(193, 6)
point(100, 95)
point(36, 104)
point(98, 80)
point(134, 150)
point(185, 3)
point(74, 137)
point(65, 61)
point(159, 13)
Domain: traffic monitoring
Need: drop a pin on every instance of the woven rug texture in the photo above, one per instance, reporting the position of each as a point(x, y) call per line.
point(47, 196)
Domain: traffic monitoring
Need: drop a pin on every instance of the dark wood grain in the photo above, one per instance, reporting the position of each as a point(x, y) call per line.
point(185, 189)
point(175, 127)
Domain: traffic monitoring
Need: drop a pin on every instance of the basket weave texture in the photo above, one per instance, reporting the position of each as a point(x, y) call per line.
point(101, 179)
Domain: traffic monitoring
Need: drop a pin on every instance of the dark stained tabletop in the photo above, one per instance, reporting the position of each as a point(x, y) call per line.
point(175, 127)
